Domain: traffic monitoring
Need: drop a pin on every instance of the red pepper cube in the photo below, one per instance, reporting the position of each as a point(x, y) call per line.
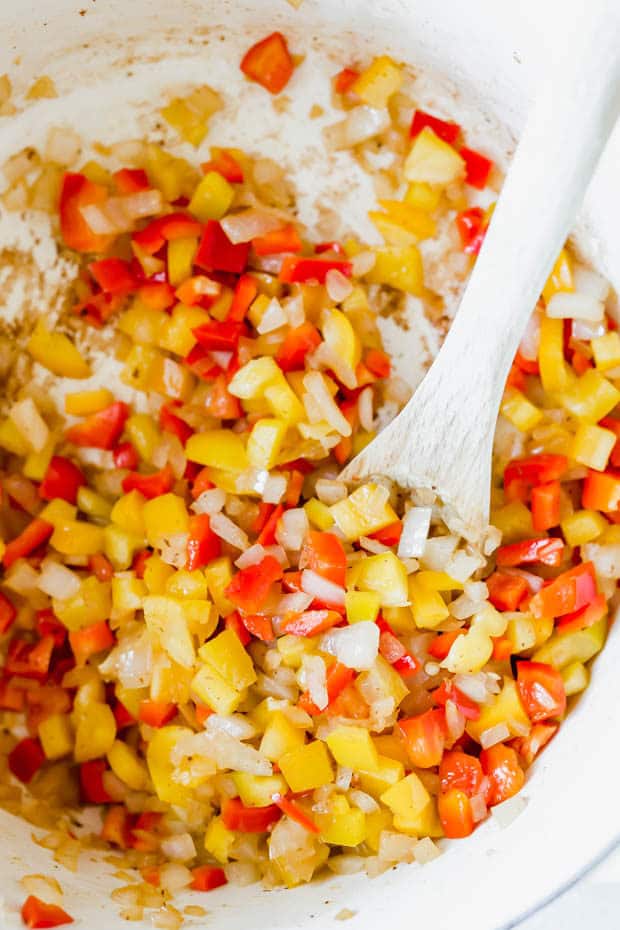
point(477, 167)
point(77, 192)
point(26, 759)
point(447, 131)
point(113, 275)
point(100, 430)
point(269, 63)
point(62, 480)
point(217, 253)
point(36, 913)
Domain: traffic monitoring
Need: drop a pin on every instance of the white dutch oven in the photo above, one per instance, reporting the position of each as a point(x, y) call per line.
point(486, 58)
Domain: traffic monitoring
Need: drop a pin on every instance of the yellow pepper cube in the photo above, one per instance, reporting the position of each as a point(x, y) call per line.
point(342, 825)
point(377, 83)
point(119, 546)
point(400, 619)
point(606, 350)
point(174, 177)
point(214, 691)
point(91, 604)
point(280, 737)
point(127, 766)
point(561, 649)
point(165, 516)
point(583, 526)
point(319, 514)
point(11, 439)
point(554, 372)
point(188, 124)
point(427, 605)
point(157, 574)
point(219, 575)
point(143, 433)
point(363, 512)
point(514, 521)
point(593, 445)
point(340, 336)
point(353, 747)
point(128, 593)
point(591, 397)
point(95, 733)
point(519, 410)
point(57, 353)
point(128, 513)
point(416, 223)
point(294, 648)
point(423, 196)
point(362, 605)
point(407, 798)
point(308, 767)
point(376, 823)
point(187, 585)
point(400, 268)
point(180, 259)
point(388, 772)
point(424, 823)
point(521, 631)
point(252, 379)
point(58, 512)
point(265, 442)
point(212, 198)
point(219, 840)
point(77, 538)
point(283, 402)
point(82, 403)
point(168, 619)
point(258, 790)
point(505, 707)
point(161, 769)
point(143, 326)
point(92, 504)
point(56, 735)
point(176, 333)
point(433, 161)
point(382, 678)
point(37, 463)
point(386, 575)
point(218, 448)
point(561, 277)
point(226, 655)
point(576, 678)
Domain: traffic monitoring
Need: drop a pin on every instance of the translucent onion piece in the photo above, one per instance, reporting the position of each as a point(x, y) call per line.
point(249, 224)
point(355, 646)
point(416, 524)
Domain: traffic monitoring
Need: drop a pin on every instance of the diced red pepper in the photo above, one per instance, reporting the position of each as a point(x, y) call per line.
point(500, 764)
point(91, 640)
point(207, 877)
point(11, 698)
point(582, 619)
point(171, 423)
point(26, 759)
point(447, 691)
point(300, 270)
point(250, 587)
point(101, 567)
point(113, 275)
point(389, 535)
point(220, 402)
point(91, 782)
point(324, 554)
point(269, 63)
point(150, 874)
point(529, 746)
point(378, 362)
point(62, 479)
point(116, 827)
point(601, 491)
point(165, 229)
point(580, 362)
point(424, 737)
point(131, 181)
point(34, 535)
point(123, 717)
point(225, 164)
point(506, 591)
point(201, 483)
point(471, 226)
point(235, 623)
point(460, 770)
point(570, 591)
point(77, 192)
point(293, 810)
point(541, 689)
point(442, 644)
point(447, 131)
point(613, 424)
point(219, 336)
point(393, 650)
point(30, 661)
point(249, 819)
point(126, 456)
point(545, 506)
point(150, 486)
point(344, 80)
point(502, 648)
point(349, 704)
point(7, 613)
point(547, 551)
point(297, 344)
point(310, 622)
point(156, 713)
point(245, 291)
point(36, 913)
point(100, 430)
point(267, 533)
point(477, 167)
point(139, 562)
point(526, 365)
point(198, 289)
point(532, 470)
point(217, 253)
point(281, 240)
point(203, 545)
point(294, 488)
point(455, 813)
point(157, 295)
point(259, 627)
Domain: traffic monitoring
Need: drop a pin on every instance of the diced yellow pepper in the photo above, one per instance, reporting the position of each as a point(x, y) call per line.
point(319, 514)
point(514, 521)
point(593, 445)
point(77, 538)
point(95, 733)
point(294, 648)
point(423, 196)
point(307, 767)
point(161, 769)
point(400, 619)
point(388, 773)
point(365, 511)
point(386, 575)
point(91, 604)
point(58, 512)
point(164, 516)
point(82, 403)
point(174, 177)
point(402, 224)
point(438, 581)
point(283, 401)
point(362, 605)
point(215, 691)
point(176, 334)
point(576, 678)
point(128, 513)
point(189, 115)
point(180, 259)
point(382, 680)
point(471, 652)
point(120, 546)
point(219, 448)
point(142, 324)
point(561, 649)
point(252, 379)
point(433, 161)
point(11, 439)
point(57, 353)
point(90, 692)
point(561, 277)
point(376, 822)
point(425, 823)
point(407, 798)
point(377, 83)
point(127, 766)
point(400, 268)
point(219, 575)
point(169, 619)
point(187, 584)
point(519, 410)
point(353, 747)
point(427, 605)
point(342, 825)
point(212, 198)
point(93, 504)
point(265, 442)
point(340, 336)
point(37, 463)
point(521, 631)
point(156, 574)
point(219, 840)
point(226, 655)
point(583, 526)
point(56, 735)
point(258, 790)
point(128, 593)
point(606, 350)
point(143, 433)
point(280, 737)
point(505, 707)
point(591, 397)
point(554, 372)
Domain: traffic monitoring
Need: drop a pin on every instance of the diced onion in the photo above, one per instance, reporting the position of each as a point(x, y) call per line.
point(249, 224)
point(425, 851)
point(413, 540)
point(372, 545)
point(97, 221)
point(478, 807)
point(472, 686)
point(251, 556)
point(364, 801)
point(438, 551)
point(530, 341)
point(173, 876)
point(361, 124)
point(314, 678)
point(21, 578)
point(329, 491)
point(321, 588)
point(274, 489)
point(355, 646)
point(294, 309)
point(585, 330)
point(363, 262)
point(494, 735)
point(605, 558)
point(590, 282)
point(63, 146)
point(57, 580)
point(568, 304)
point(229, 531)
point(364, 407)
point(236, 725)
point(30, 423)
point(292, 528)
point(242, 873)
point(273, 318)
point(338, 286)
point(345, 864)
point(143, 203)
point(315, 385)
point(23, 491)
point(509, 810)
point(396, 847)
point(344, 776)
point(179, 848)
point(210, 501)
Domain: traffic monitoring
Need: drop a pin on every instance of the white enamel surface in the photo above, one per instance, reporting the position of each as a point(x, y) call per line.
point(494, 55)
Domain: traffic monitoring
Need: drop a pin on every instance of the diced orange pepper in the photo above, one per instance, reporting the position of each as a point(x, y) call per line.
point(269, 63)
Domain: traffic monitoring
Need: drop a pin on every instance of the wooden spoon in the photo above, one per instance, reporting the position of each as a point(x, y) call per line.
point(443, 438)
